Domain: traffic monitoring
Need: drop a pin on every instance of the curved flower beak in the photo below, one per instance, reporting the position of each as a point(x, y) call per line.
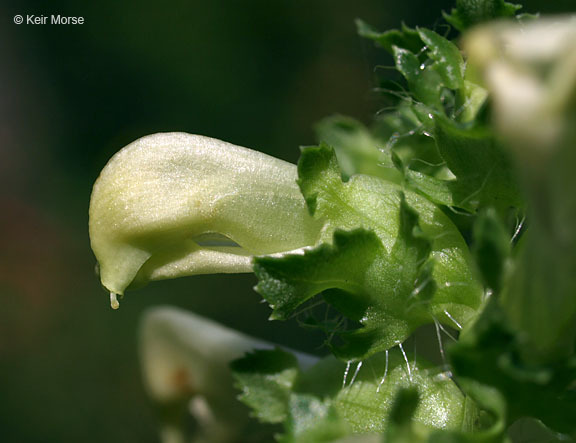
point(174, 204)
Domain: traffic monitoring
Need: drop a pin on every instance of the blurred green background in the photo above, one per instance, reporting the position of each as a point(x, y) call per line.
point(255, 73)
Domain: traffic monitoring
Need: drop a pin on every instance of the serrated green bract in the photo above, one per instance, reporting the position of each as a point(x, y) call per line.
point(448, 61)
point(461, 165)
point(266, 380)
point(367, 403)
point(425, 83)
point(270, 375)
point(324, 404)
point(411, 144)
point(346, 270)
point(313, 420)
point(429, 62)
point(405, 38)
point(484, 174)
point(358, 149)
point(389, 260)
point(468, 13)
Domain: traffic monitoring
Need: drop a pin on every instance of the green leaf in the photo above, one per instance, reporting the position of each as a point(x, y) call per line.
point(289, 281)
point(407, 64)
point(490, 424)
point(265, 379)
point(425, 83)
point(370, 403)
point(357, 149)
point(484, 174)
point(348, 271)
point(484, 426)
point(429, 90)
point(409, 133)
point(313, 420)
point(448, 61)
point(439, 191)
point(389, 260)
point(472, 12)
point(401, 429)
point(488, 353)
point(434, 69)
point(405, 38)
point(321, 406)
point(428, 78)
point(475, 98)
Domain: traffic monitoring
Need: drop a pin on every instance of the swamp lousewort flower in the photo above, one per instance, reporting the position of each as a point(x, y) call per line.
point(372, 251)
point(175, 204)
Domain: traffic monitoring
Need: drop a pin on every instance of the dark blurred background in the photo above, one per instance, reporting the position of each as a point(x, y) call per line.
point(256, 73)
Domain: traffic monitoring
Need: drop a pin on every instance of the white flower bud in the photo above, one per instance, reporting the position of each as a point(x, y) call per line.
point(530, 71)
point(185, 362)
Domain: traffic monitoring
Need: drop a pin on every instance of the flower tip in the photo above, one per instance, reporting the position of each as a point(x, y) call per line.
point(114, 304)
